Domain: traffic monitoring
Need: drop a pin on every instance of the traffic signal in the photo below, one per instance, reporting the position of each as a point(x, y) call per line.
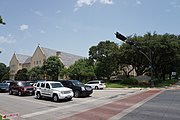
point(1, 21)
point(120, 36)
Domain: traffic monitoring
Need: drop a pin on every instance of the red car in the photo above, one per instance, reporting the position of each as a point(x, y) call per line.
point(21, 88)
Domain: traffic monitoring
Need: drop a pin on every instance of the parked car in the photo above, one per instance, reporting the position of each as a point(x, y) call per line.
point(4, 87)
point(54, 90)
point(78, 88)
point(7, 81)
point(21, 88)
point(97, 84)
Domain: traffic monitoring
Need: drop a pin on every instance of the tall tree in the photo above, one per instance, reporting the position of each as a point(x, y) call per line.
point(161, 50)
point(4, 72)
point(105, 56)
point(52, 67)
point(82, 70)
point(22, 75)
point(35, 73)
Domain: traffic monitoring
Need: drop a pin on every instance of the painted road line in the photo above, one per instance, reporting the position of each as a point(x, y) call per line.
point(73, 105)
point(107, 111)
point(126, 111)
point(21, 98)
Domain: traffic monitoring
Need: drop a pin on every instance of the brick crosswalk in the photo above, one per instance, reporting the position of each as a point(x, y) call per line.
point(109, 110)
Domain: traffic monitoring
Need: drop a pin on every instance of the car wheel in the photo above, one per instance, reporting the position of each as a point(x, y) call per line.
point(38, 95)
point(96, 87)
point(76, 93)
point(69, 99)
point(55, 98)
point(10, 92)
point(19, 93)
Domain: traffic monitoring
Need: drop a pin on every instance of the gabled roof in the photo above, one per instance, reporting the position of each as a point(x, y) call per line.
point(66, 58)
point(23, 58)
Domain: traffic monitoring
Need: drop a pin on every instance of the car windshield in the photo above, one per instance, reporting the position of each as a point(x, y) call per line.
point(76, 82)
point(4, 85)
point(56, 85)
point(24, 84)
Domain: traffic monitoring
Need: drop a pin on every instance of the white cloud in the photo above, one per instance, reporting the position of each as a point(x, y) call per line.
point(75, 30)
point(58, 27)
point(38, 13)
point(138, 2)
point(106, 1)
point(81, 3)
point(42, 31)
point(23, 27)
point(8, 39)
point(58, 11)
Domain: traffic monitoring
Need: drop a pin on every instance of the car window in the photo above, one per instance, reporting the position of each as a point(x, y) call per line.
point(3, 85)
point(102, 82)
point(38, 84)
point(47, 85)
point(56, 85)
point(42, 84)
point(66, 83)
point(93, 82)
point(76, 82)
point(24, 84)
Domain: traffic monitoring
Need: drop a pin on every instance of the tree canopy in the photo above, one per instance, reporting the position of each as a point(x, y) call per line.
point(104, 56)
point(81, 69)
point(52, 67)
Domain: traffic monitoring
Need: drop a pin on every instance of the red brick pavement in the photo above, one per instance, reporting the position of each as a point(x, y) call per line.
point(109, 110)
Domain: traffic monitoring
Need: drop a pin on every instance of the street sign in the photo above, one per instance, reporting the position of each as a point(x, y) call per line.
point(8, 116)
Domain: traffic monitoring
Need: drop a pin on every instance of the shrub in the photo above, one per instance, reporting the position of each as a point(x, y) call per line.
point(130, 81)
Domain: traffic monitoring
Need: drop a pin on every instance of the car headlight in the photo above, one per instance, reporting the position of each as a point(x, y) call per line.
point(83, 88)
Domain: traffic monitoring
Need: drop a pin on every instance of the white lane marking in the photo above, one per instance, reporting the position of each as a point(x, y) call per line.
point(76, 104)
point(21, 98)
point(126, 111)
point(54, 109)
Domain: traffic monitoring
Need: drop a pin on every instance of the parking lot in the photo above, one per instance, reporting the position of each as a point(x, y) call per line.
point(30, 108)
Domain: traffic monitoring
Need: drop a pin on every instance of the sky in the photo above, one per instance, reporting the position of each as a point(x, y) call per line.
point(73, 26)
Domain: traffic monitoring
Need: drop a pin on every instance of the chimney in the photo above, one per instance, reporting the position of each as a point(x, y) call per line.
point(58, 54)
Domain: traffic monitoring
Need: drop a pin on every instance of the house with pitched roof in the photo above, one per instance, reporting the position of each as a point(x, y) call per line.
point(41, 54)
point(17, 62)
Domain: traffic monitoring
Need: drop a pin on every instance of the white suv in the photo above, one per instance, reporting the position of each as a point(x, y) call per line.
point(96, 84)
point(54, 90)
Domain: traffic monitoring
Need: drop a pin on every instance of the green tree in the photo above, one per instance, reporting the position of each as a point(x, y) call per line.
point(162, 50)
point(52, 67)
point(35, 73)
point(22, 75)
point(4, 72)
point(105, 57)
point(81, 70)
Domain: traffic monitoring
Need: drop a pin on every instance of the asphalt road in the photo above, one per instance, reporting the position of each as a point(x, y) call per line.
point(111, 104)
point(30, 108)
point(165, 106)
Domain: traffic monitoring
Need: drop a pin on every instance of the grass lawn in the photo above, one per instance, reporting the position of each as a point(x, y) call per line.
point(157, 84)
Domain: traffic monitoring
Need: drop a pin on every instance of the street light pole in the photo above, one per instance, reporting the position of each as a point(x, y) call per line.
point(149, 58)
